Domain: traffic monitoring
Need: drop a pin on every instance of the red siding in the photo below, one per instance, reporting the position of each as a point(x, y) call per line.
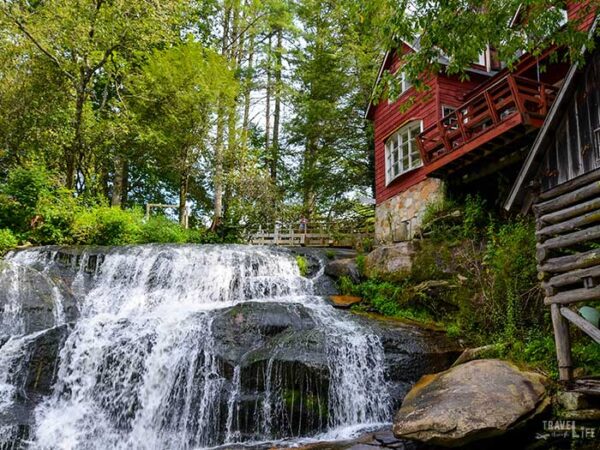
point(582, 10)
point(426, 106)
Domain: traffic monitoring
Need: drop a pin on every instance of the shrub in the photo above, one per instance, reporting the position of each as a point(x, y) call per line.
point(475, 218)
point(20, 195)
point(361, 264)
point(104, 225)
point(302, 265)
point(161, 230)
point(7, 240)
point(56, 214)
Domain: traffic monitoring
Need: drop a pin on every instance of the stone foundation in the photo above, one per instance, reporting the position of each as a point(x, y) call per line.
point(399, 218)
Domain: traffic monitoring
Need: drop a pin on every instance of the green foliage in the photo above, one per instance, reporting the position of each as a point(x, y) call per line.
point(361, 264)
point(162, 230)
point(475, 217)
point(459, 31)
point(330, 254)
point(384, 297)
point(492, 293)
point(302, 265)
point(33, 204)
point(586, 354)
point(105, 225)
point(20, 195)
point(7, 240)
point(513, 291)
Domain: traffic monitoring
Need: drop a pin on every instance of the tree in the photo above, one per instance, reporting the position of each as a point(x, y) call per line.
point(462, 29)
point(334, 73)
point(80, 39)
point(175, 97)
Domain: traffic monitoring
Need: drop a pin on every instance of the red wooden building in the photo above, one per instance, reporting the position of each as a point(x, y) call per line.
point(455, 133)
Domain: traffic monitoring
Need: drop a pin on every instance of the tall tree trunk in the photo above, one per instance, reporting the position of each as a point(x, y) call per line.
point(277, 115)
point(125, 183)
point(218, 178)
point(74, 152)
point(268, 102)
point(232, 151)
point(183, 192)
point(248, 94)
point(118, 178)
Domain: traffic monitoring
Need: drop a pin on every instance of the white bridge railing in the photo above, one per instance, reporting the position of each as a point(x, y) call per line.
point(310, 235)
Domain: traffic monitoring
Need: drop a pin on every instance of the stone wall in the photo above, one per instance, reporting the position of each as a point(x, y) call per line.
point(400, 217)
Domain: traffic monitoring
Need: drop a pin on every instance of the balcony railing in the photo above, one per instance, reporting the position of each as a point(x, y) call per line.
point(510, 101)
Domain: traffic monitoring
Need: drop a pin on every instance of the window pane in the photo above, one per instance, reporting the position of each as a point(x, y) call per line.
point(402, 153)
point(405, 151)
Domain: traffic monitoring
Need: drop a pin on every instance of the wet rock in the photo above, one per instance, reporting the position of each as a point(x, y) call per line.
point(410, 351)
point(36, 369)
point(383, 439)
point(33, 373)
point(391, 261)
point(344, 301)
point(474, 401)
point(27, 300)
point(346, 267)
point(248, 326)
point(572, 401)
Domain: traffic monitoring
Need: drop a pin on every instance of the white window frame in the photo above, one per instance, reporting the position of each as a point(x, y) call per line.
point(451, 108)
point(405, 82)
point(394, 155)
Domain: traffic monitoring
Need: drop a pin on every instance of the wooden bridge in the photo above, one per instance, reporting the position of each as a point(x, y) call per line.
point(319, 234)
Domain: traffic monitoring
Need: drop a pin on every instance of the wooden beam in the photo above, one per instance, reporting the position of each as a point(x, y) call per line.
point(577, 237)
point(573, 211)
point(475, 143)
point(574, 296)
point(567, 199)
point(581, 323)
point(563, 344)
point(570, 225)
point(573, 277)
point(570, 185)
point(571, 262)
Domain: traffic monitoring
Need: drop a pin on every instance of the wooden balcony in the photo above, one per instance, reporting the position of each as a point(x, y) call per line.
point(482, 121)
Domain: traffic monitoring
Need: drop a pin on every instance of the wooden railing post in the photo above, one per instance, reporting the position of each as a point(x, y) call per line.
point(543, 100)
point(563, 344)
point(442, 131)
point(517, 97)
point(491, 107)
point(424, 155)
point(461, 126)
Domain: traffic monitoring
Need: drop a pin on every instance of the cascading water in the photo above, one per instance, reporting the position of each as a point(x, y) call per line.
point(149, 365)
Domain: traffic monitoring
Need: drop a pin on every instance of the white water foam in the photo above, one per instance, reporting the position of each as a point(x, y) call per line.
point(138, 371)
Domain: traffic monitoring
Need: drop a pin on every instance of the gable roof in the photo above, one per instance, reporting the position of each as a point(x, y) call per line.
point(415, 46)
point(384, 64)
point(535, 155)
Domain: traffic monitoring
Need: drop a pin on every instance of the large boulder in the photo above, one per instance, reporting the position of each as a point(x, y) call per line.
point(473, 401)
point(391, 261)
point(346, 267)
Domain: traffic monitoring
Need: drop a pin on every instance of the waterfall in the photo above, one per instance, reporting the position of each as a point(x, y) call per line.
point(145, 368)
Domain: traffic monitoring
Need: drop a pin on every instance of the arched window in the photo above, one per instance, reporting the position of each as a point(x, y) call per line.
point(401, 151)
